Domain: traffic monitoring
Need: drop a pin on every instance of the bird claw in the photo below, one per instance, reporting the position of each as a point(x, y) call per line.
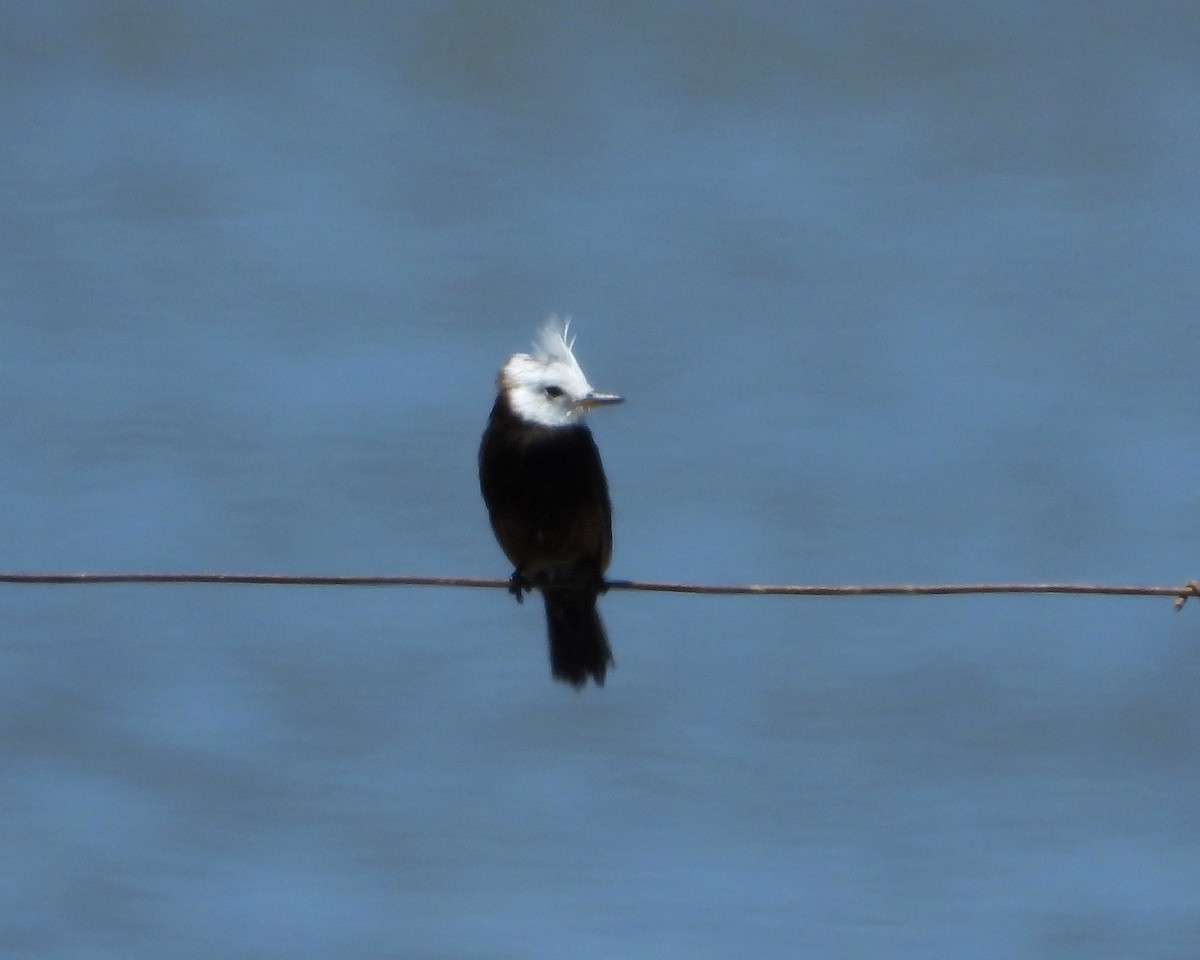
point(518, 586)
point(1190, 589)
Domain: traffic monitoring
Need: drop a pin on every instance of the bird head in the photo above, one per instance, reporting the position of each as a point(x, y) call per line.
point(548, 387)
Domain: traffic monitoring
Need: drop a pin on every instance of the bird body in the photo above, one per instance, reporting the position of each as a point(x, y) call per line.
point(547, 498)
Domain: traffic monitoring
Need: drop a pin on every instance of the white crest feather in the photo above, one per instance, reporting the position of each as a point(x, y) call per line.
point(552, 342)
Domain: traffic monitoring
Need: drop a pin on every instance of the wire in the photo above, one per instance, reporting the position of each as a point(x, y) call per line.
point(1181, 594)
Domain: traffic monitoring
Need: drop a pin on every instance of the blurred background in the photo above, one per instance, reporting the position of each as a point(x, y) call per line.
point(895, 293)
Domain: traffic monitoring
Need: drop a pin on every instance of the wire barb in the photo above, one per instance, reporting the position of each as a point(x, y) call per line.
point(1190, 589)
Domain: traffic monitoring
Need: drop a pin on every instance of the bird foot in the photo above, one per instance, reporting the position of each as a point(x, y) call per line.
point(518, 586)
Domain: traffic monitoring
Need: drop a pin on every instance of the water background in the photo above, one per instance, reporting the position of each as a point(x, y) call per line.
point(896, 293)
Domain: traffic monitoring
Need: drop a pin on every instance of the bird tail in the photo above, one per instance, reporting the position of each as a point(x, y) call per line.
point(578, 645)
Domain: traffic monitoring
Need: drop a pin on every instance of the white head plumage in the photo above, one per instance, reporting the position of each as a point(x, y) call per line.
point(548, 387)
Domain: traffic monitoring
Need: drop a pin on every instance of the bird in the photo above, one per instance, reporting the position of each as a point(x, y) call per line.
point(547, 497)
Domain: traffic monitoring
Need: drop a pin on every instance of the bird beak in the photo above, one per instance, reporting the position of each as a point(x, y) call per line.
point(600, 400)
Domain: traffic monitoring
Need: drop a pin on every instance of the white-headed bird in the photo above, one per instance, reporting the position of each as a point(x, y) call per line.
point(546, 495)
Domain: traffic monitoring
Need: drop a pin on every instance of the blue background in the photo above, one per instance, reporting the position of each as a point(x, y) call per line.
point(896, 293)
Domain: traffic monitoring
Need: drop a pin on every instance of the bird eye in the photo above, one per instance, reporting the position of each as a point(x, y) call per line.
point(553, 391)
